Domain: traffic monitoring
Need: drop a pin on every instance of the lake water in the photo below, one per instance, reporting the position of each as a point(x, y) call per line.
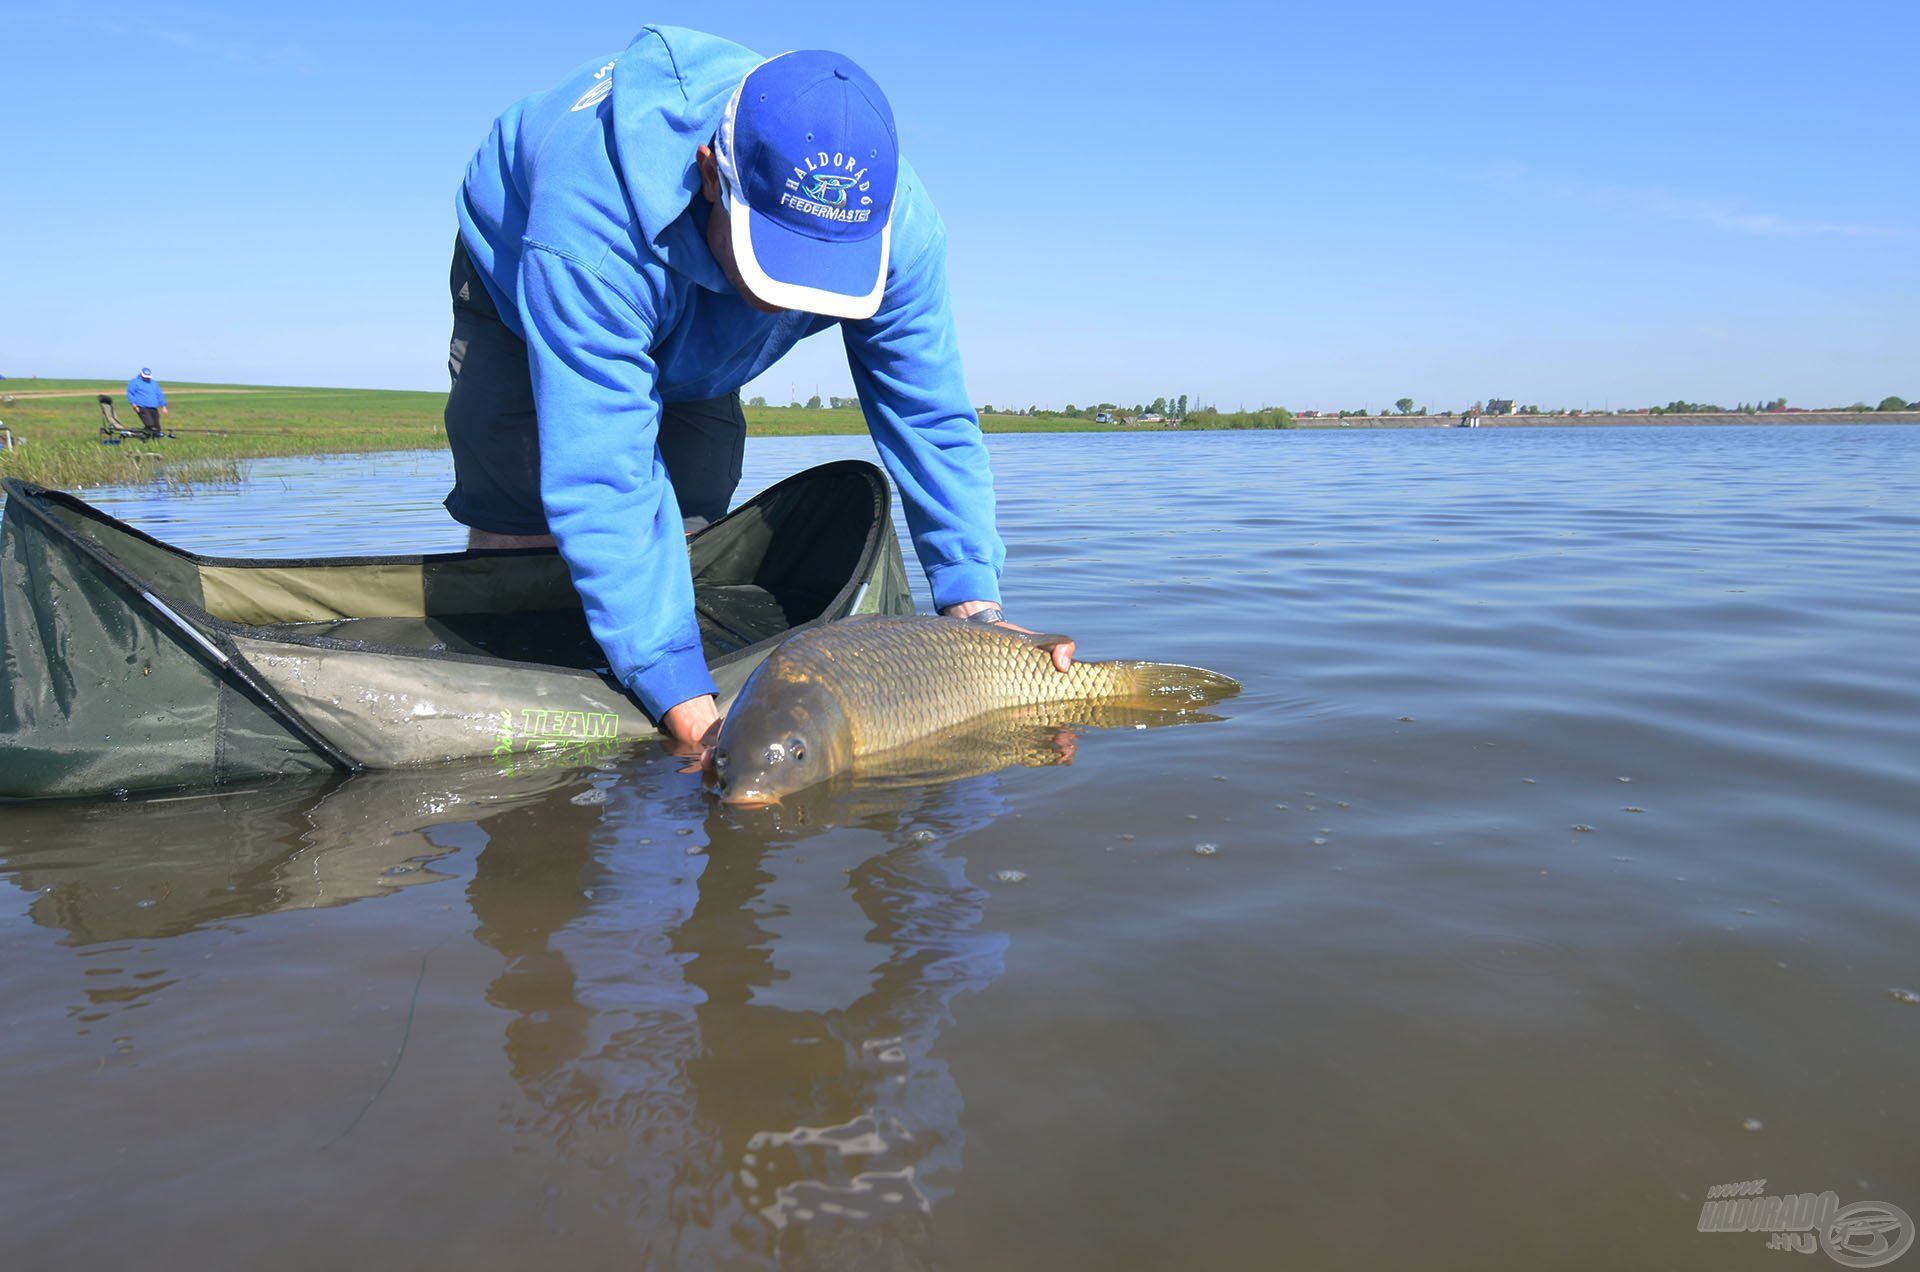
point(1563, 865)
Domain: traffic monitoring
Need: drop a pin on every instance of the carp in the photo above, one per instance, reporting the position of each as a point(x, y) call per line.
point(835, 698)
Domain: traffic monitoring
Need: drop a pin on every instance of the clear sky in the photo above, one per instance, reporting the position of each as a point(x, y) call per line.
point(1311, 205)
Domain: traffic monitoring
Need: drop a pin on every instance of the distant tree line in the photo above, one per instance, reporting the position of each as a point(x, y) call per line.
point(1175, 408)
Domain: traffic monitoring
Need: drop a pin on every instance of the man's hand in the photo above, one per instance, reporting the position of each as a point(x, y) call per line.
point(691, 728)
point(1062, 651)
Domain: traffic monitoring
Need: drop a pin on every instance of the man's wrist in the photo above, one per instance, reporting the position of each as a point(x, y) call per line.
point(977, 611)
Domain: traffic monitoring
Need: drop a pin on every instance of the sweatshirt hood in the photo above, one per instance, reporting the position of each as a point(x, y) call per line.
point(670, 89)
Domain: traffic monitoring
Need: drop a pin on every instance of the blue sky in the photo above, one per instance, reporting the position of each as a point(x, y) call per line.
point(1308, 205)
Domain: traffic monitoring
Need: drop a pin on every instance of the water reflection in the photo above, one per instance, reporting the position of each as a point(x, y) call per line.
point(739, 1023)
point(729, 1017)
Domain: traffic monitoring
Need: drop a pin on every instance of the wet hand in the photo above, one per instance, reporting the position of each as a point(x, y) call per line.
point(691, 728)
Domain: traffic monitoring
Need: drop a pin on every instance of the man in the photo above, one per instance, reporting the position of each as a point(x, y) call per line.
point(145, 396)
point(634, 246)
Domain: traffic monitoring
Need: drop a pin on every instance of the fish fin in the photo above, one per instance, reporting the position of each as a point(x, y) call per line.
point(1173, 686)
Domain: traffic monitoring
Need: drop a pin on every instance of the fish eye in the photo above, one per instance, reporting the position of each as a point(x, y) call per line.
point(797, 749)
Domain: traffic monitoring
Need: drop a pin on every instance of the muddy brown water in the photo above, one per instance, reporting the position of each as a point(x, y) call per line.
point(1557, 864)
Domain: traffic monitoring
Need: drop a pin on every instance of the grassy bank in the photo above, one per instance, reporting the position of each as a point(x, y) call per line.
point(218, 425)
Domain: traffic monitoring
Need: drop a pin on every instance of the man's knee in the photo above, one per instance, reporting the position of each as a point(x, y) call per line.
point(702, 444)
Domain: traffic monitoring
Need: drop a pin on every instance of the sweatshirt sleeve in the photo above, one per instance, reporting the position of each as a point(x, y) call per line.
point(605, 490)
point(905, 362)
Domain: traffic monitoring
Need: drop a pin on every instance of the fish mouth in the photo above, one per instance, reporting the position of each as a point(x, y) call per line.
point(748, 797)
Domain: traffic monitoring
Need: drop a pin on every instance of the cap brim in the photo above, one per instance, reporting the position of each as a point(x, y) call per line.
point(794, 271)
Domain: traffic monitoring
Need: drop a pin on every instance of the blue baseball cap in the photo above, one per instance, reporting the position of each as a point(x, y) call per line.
point(809, 160)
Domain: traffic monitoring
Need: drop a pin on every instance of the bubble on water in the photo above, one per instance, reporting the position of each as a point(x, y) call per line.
point(1529, 781)
point(1749, 913)
point(1752, 1124)
point(1193, 817)
point(1205, 850)
point(1623, 858)
point(1219, 777)
point(1128, 835)
point(1583, 828)
point(146, 904)
point(684, 830)
point(1341, 803)
point(694, 850)
point(1011, 876)
point(1313, 808)
point(1629, 808)
point(1623, 779)
point(1281, 807)
point(1907, 996)
point(593, 795)
point(1326, 830)
point(1406, 719)
point(646, 840)
point(923, 836)
point(1318, 840)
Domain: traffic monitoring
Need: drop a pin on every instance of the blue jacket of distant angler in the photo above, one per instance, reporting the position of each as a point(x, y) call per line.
point(583, 213)
point(145, 393)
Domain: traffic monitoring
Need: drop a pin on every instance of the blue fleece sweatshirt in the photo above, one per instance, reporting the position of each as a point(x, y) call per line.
point(145, 392)
point(583, 214)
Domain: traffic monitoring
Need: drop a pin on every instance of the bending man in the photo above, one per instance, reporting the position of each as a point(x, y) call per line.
point(636, 244)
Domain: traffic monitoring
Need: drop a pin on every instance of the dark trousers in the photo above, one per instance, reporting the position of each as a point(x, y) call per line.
point(495, 436)
point(149, 420)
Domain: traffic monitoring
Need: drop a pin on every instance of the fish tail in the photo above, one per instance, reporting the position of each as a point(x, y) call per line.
point(1168, 686)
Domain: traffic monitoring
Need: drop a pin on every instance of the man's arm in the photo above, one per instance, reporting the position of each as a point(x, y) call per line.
point(905, 362)
point(608, 501)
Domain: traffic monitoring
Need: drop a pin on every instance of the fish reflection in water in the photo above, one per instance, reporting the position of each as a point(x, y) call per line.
point(742, 1022)
point(728, 1017)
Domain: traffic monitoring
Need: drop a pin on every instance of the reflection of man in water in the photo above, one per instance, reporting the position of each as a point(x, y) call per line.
point(749, 1054)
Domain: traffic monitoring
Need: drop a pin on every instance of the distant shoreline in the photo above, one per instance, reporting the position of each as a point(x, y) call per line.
point(1635, 420)
point(217, 426)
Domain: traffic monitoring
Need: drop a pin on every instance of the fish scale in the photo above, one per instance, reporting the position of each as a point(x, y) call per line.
point(919, 676)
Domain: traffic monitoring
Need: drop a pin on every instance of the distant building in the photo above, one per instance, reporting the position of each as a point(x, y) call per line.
point(1500, 406)
point(1104, 417)
point(1151, 418)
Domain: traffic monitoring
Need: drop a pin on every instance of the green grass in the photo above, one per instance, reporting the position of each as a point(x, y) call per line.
point(63, 446)
point(218, 425)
